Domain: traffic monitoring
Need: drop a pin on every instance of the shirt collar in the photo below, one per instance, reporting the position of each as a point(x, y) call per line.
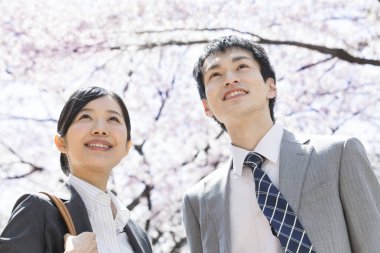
point(268, 146)
point(92, 196)
point(122, 213)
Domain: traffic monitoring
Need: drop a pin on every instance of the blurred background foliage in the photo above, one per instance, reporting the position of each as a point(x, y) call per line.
point(326, 55)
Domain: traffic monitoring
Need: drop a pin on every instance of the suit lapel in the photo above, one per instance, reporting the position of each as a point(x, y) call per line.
point(78, 212)
point(294, 160)
point(134, 237)
point(217, 198)
point(76, 207)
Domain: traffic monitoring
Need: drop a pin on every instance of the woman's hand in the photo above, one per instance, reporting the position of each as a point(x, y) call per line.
point(82, 243)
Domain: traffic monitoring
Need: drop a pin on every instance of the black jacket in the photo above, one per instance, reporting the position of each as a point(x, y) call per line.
point(36, 225)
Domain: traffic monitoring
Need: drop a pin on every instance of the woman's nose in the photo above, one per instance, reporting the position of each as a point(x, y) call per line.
point(100, 128)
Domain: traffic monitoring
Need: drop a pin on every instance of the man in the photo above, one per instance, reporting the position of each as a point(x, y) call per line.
point(324, 186)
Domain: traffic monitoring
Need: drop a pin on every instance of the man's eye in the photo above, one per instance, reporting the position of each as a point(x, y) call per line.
point(214, 75)
point(241, 66)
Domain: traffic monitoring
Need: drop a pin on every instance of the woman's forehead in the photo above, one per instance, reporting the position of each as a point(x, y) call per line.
point(105, 103)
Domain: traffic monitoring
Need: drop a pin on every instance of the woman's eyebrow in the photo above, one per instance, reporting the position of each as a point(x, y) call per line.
point(114, 112)
point(109, 111)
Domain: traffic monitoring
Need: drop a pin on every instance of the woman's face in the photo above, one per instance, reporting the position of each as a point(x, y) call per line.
point(96, 141)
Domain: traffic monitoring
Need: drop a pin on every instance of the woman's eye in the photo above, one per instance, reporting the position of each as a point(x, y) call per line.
point(84, 116)
point(115, 119)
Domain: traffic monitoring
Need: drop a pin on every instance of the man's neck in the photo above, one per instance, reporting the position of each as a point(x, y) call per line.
point(248, 134)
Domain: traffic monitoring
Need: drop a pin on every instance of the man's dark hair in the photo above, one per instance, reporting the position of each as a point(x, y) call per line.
point(222, 45)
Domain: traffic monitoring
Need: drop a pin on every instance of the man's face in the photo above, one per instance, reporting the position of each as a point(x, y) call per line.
point(234, 86)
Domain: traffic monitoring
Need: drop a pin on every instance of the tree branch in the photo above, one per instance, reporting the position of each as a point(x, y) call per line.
point(314, 64)
point(10, 117)
point(334, 52)
point(144, 193)
point(34, 167)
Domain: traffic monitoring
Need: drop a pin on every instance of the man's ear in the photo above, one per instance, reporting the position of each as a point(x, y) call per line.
point(272, 88)
point(207, 108)
point(60, 143)
point(129, 145)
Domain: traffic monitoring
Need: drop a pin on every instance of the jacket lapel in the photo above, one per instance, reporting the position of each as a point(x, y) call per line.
point(217, 198)
point(78, 213)
point(134, 237)
point(294, 160)
point(76, 207)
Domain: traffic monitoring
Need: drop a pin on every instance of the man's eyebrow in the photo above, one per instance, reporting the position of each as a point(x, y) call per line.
point(109, 111)
point(242, 57)
point(214, 66)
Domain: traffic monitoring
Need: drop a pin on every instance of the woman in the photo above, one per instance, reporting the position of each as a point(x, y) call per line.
point(93, 135)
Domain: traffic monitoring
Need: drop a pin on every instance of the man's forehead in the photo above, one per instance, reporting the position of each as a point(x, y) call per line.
point(218, 57)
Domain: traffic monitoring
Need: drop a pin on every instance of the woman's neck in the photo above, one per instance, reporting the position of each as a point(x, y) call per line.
point(99, 180)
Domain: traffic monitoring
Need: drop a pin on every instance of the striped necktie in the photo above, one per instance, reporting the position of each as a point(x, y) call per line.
point(274, 206)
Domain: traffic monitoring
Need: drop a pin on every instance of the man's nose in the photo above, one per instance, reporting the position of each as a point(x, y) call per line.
point(231, 78)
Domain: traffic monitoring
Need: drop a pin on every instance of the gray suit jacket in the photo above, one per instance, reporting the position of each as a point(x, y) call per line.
point(36, 225)
point(329, 183)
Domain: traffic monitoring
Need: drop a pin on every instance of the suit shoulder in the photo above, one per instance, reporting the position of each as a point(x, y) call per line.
point(28, 211)
point(32, 200)
point(31, 218)
point(198, 188)
point(326, 143)
point(323, 142)
point(335, 147)
point(33, 204)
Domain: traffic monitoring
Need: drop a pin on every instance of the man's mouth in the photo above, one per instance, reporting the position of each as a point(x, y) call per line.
point(234, 93)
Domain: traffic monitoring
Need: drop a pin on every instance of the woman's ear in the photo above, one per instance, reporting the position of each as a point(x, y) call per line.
point(60, 143)
point(129, 145)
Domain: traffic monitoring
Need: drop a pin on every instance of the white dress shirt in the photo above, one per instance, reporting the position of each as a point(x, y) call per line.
point(110, 236)
point(250, 229)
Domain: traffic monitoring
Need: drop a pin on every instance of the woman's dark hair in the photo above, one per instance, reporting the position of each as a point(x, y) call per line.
point(74, 105)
